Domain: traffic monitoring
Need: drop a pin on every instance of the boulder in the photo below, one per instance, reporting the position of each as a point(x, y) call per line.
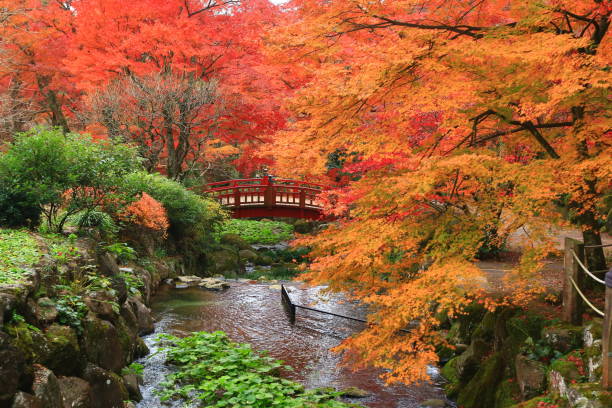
point(102, 344)
point(63, 356)
point(107, 264)
point(45, 311)
point(46, 388)
point(302, 226)
point(354, 392)
point(76, 392)
point(563, 337)
point(103, 304)
point(530, 375)
point(107, 388)
point(12, 366)
point(8, 302)
point(132, 384)
point(120, 287)
point(189, 279)
point(213, 284)
point(468, 362)
point(479, 392)
point(24, 400)
point(224, 260)
point(143, 317)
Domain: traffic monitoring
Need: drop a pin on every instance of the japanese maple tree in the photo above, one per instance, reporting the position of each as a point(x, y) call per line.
point(464, 121)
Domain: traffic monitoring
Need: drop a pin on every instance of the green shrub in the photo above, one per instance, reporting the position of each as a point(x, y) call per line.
point(191, 216)
point(63, 174)
point(257, 232)
point(98, 220)
point(16, 209)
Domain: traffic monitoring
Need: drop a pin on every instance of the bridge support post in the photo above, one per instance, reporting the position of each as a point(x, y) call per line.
point(269, 192)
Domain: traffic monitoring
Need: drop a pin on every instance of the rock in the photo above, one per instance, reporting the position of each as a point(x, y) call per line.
point(120, 287)
point(562, 373)
point(469, 361)
point(108, 264)
point(8, 302)
point(190, 280)
point(107, 388)
point(588, 395)
point(46, 388)
point(45, 311)
point(181, 286)
point(530, 375)
point(143, 317)
point(354, 392)
point(102, 344)
point(479, 392)
point(248, 255)
point(275, 287)
point(12, 365)
point(234, 240)
point(102, 304)
point(303, 226)
point(132, 385)
point(433, 403)
point(213, 284)
point(23, 400)
point(563, 337)
point(223, 261)
point(76, 392)
point(140, 348)
point(64, 356)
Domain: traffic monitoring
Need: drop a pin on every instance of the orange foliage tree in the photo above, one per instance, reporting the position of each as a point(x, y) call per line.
point(462, 122)
point(147, 212)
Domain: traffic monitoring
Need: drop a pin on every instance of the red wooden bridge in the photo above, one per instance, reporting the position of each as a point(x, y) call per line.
point(268, 197)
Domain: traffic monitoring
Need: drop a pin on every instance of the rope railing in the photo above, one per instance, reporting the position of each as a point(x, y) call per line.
point(584, 268)
point(574, 299)
point(584, 298)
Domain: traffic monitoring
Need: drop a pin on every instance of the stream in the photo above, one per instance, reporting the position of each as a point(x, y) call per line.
point(253, 313)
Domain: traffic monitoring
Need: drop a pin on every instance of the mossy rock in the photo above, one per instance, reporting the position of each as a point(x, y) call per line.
point(593, 392)
point(223, 261)
point(563, 337)
point(302, 226)
point(567, 369)
point(480, 391)
point(485, 329)
point(469, 361)
point(235, 240)
point(449, 372)
point(102, 343)
point(264, 260)
point(64, 356)
point(508, 393)
point(30, 340)
point(468, 321)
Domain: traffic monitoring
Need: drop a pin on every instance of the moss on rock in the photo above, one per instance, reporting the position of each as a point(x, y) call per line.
point(480, 391)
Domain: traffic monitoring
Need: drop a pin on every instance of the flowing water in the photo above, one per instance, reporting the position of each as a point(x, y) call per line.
point(253, 313)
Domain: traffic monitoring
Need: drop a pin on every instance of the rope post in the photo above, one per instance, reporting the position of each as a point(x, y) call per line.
point(572, 304)
point(606, 378)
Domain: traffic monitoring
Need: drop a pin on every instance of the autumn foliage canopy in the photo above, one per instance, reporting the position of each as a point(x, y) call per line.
point(444, 125)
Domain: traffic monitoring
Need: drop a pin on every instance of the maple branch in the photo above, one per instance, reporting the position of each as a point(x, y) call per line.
point(211, 4)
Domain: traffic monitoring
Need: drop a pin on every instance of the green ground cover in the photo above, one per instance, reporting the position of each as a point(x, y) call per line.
point(213, 371)
point(258, 232)
point(18, 252)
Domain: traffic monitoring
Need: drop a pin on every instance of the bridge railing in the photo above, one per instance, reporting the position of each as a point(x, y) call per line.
point(266, 192)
